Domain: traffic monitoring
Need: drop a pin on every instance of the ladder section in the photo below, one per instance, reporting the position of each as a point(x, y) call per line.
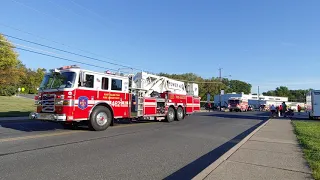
point(140, 100)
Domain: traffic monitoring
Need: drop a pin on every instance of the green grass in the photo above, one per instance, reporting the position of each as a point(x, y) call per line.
point(308, 133)
point(15, 106)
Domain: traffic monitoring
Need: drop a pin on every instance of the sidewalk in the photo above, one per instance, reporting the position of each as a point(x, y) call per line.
point(271, 153)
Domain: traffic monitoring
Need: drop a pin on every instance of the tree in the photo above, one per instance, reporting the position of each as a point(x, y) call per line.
point(32, 80)
point(211, 85)
point(11, 68)
point(237, 86)
point(293, 95)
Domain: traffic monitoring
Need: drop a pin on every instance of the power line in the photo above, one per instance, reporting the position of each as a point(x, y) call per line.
point(34, 9)
point(88, 64)
point(87, 9)
point(62, 7)
point(55, 55)
point(64, 59)
point(56, 42)
point(69, 52)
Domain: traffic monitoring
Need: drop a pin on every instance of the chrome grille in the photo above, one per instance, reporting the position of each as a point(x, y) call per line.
point(48, 101)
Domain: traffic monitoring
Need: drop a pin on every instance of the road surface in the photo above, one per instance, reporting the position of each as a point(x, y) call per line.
point(157, 150)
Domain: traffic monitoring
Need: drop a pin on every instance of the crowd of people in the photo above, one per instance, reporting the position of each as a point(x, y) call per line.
point(282, 110)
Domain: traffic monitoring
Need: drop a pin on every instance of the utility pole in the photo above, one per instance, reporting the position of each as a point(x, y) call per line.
point(259, 97)
point(220, 77)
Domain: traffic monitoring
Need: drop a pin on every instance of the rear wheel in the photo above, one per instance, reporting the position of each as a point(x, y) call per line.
point(100, 119)
point(180, 114)
point(170, 114)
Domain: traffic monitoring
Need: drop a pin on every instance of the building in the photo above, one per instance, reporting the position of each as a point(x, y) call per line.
point(253, 99)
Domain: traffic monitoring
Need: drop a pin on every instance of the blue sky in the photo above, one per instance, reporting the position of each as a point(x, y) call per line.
point(266, 43)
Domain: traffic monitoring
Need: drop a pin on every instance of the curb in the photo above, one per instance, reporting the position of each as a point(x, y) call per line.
point(204, 173)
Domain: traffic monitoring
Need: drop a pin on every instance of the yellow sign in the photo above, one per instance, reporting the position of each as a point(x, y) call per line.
point(111, 96)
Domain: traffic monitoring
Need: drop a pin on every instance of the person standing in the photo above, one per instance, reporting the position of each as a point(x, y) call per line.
point(280, 110)
point(299, 109)
point(273, 110)
point(284, 109)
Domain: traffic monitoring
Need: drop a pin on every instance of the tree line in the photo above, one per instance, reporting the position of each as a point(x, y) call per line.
point(14, 74)
point(212, 85)
point(293, 95)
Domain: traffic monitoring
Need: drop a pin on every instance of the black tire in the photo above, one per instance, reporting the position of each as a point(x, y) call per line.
point(171, 114)
point(230, 110)
point(100, 119)
point(179, 114)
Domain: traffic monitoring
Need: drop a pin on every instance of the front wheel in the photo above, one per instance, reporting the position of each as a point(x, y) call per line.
point(100, 119)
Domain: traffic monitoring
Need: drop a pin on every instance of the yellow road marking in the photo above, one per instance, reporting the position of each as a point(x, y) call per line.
point(62, 133)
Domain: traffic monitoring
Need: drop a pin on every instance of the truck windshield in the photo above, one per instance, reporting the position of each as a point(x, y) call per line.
point(56, 81)
point(234, 101)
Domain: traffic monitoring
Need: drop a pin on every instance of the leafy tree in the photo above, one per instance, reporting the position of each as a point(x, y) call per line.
point(212, 85)
point(11, 68)
point(293, 95)
point(32, 80)
point(237, 86)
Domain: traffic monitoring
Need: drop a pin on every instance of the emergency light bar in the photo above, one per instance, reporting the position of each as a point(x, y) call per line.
point(68, 67)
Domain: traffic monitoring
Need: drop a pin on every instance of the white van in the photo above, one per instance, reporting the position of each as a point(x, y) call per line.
point(313, 104)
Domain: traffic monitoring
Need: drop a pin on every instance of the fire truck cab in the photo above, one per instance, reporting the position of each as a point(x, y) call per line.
point(71, 95)
point(237, 104)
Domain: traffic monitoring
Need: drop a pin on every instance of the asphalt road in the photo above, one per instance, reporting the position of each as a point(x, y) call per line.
point(158, 150)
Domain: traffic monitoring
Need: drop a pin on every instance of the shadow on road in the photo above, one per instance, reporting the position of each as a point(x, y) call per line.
point(195, 167)
point(30, 126)
point(33, 125)
point(258, 116)
point(14, 114)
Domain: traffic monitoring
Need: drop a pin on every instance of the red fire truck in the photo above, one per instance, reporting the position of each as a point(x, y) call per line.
point(238, 104)
point(71, 95)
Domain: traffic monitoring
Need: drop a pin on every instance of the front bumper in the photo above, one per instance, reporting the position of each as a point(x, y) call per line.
point(48, 116)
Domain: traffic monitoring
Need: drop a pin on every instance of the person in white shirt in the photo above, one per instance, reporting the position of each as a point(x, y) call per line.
point(272, 109)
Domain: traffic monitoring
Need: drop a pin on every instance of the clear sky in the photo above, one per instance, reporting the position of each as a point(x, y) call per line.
point(267, 43)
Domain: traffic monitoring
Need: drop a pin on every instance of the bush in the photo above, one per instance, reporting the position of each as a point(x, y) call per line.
point(8, 91)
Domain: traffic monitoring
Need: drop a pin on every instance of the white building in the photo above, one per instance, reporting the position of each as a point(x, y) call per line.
point(252, 99)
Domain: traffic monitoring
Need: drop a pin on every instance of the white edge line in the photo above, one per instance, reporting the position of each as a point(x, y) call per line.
point(204, 173)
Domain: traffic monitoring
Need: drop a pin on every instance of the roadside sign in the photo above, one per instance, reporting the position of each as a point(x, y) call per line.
point(222, 92)
point(22, 89)
point(19, 89)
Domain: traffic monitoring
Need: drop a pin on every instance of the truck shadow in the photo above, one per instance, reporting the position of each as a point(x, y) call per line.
point(34, 125)
point(30, 126)
point(191, 170)
point(14, 114)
